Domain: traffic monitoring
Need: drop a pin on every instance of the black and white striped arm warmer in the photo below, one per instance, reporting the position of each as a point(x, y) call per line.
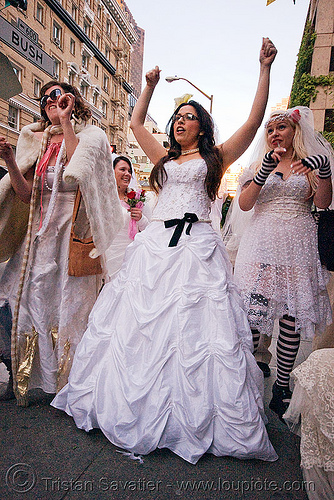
point(320, 162)
point(268, 165)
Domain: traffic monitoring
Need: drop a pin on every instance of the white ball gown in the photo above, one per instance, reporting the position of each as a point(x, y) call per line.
point(166, 359)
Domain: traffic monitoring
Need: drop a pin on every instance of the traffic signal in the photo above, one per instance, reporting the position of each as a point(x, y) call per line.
point(21, 4)
point(113, 148)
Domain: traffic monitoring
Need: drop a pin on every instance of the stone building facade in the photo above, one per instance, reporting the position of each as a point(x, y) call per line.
point(86, 43)
point(321, 16)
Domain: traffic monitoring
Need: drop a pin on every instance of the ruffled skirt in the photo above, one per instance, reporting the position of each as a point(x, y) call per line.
point(166, 360)
point(279, 273)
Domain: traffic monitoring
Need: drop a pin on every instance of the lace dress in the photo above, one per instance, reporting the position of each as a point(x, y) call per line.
point(312, 404)
point(277, 267)
point(166, 360)
point(54, 307)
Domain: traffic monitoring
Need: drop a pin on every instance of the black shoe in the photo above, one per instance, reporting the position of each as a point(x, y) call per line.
point(280, 400)
point(265, 369)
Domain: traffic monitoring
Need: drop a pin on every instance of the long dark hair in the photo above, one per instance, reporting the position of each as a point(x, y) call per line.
point(80, 111)
point(207, 149)
point(122, 158)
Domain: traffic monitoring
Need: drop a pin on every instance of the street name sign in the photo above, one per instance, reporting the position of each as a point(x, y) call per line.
point(17, 40)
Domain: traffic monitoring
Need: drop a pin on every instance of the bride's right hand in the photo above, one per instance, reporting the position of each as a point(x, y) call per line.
point(152, 77)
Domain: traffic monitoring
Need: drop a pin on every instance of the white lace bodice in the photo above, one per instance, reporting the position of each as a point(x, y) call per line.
point(284, 199)
point(183, 191)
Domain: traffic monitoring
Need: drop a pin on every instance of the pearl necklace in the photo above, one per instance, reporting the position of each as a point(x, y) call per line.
point(51, 170)
point(189, 151)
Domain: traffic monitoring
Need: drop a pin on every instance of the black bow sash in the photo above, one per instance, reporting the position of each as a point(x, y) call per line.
point(180, 223)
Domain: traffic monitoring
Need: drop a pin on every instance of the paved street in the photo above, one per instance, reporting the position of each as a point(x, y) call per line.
point(43, 452)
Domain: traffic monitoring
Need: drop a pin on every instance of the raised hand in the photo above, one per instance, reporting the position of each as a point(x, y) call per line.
point(277, 153)
point(6, 151)
point(268, 52)
point(65, 105)
point(153, 76)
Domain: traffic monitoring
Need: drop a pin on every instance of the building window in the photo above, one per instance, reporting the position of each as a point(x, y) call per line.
point(96, 71)
point(94, 122)
point(331, 65)
point(18, 72)
point(39, 13)
point(72, 47)
point(108, 28)
point(106, 83)
point(104, 108)
point(99, 10)
point(13, 117)
point(74, 12)
point(71, 78)
point(56, 69)
point(83, 90)
point(98, 41)
point(56, 34)
point(114, 91)
point(37, 87)
point(107, 53)
point(329, 120)
point(84, 61)
point(121, 121)
point(86, 28)
point(113, 115)
point(95, 97)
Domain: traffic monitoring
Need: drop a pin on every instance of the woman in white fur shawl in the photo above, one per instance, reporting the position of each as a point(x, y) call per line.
point(54, 157)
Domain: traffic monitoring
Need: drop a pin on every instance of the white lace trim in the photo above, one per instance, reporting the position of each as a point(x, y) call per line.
point(316, 406)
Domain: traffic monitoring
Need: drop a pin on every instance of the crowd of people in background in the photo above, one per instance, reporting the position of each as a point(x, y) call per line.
point(153, 339)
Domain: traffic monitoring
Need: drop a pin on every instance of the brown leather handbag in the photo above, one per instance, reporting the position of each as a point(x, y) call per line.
point(79, 261)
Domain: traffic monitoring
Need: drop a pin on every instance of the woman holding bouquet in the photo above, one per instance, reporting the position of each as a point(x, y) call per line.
point(135, 214)
point(166, 361)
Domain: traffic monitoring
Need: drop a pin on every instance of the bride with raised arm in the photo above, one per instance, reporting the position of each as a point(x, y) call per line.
point(166, 361)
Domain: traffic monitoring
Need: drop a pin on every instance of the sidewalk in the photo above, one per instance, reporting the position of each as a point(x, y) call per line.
point(44, 456)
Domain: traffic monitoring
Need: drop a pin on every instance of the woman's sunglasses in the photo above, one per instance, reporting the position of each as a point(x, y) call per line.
point(54, 94)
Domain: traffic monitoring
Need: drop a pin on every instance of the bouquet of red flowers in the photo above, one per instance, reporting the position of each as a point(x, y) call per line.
point(136, 198)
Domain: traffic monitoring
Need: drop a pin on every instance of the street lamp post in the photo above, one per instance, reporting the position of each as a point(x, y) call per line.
point(171, 79)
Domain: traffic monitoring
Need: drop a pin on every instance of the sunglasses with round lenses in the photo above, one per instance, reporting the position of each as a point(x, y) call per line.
point(54, 94)
point(188, 117)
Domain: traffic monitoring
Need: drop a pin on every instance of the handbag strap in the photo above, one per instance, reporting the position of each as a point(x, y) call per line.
point(76, 208)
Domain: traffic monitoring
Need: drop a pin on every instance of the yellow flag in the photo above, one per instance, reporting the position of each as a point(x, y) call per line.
point(270, 1)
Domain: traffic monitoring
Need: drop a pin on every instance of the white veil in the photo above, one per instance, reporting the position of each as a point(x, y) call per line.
point(314, 143)
point(236, 219)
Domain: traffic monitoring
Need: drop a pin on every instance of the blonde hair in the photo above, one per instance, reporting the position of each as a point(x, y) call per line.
point(299, 149)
